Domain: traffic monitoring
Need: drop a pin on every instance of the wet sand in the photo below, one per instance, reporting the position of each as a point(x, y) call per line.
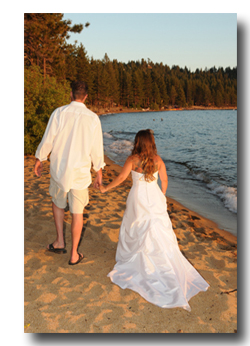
point(59, 298)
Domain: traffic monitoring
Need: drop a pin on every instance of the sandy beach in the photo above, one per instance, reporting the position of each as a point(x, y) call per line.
point(59, 298)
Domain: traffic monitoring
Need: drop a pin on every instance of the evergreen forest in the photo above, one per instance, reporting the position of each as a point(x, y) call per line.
point(51, 64)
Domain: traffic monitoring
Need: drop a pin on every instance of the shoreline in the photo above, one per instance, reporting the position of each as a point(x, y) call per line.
point(117, 110)
point(226, 234)
point(213, 206)
point(117, 168)
point(59, 298)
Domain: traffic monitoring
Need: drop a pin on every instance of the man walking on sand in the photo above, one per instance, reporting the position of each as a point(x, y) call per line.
point(74, 138)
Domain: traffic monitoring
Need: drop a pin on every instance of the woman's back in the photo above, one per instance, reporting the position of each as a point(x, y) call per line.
point(137, 163)
point(158, 166)
point(145, 199)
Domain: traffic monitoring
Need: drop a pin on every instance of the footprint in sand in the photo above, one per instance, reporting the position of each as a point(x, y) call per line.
point(218, 264)
point(189, 223)
point(113, 225)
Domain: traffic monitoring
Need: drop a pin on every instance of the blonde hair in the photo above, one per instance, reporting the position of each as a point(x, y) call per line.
point(145, 148)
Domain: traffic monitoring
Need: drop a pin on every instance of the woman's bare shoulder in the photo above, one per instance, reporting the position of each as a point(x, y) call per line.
point(157, 157)
point(158, 160)
point(133, 158)
point(136, 163)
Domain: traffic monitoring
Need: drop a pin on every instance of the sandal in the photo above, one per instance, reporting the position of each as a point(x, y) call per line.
point(81, 257)
point(56, 250)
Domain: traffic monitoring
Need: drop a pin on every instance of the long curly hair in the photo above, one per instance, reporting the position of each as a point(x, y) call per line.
point(145, 148)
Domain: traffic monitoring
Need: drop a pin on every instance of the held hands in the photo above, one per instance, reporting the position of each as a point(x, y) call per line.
point(38, 168)
point(98, 180)
point(103, 189)
point(97, 183)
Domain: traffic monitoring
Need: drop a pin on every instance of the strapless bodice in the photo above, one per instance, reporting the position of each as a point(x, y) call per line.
point(140, 177)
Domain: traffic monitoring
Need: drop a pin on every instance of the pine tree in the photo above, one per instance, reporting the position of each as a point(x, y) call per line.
point(137, 82)
point(173, 95)
point(147, 88)
point(163, 92)
point(206, 94)
point(156, 97)
point(198, 93)
point(70, 63)
point(218, 99)
point(104, 87)
point(113, 84)
point(82, 64)
point(128, 89)
point(45, 37)
point(83, 71)
point(180, 97)
point(188, 91)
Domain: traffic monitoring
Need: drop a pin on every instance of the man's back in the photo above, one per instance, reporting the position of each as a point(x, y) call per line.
point(74, 137)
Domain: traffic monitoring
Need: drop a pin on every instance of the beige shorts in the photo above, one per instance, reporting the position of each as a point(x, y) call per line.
point(77, 199)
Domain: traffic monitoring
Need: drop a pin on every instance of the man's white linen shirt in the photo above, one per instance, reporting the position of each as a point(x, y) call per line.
point(74, 137)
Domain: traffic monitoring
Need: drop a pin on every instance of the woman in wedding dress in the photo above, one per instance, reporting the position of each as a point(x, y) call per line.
point(148, 257)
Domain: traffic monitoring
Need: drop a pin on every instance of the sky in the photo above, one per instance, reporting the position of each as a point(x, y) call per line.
point(194, 40)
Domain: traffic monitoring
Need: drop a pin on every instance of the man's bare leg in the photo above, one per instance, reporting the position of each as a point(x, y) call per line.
point(58, 214)
point(76, 231)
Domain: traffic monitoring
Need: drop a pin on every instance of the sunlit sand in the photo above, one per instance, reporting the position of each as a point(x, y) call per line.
point(82, 299)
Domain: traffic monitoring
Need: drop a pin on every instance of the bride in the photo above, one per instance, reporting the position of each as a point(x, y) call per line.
point(148, 257)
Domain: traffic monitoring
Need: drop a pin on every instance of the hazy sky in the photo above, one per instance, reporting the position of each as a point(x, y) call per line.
point(194, 40)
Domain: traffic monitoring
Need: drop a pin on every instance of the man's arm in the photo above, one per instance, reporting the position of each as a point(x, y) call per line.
point(97, 155)
point(46, 144)
point(38, 168)
point(98, 179)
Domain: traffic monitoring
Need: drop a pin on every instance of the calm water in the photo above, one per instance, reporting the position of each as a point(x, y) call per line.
point(199, 149)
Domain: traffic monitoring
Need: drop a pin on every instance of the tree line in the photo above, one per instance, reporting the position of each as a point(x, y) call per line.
point(51, 64)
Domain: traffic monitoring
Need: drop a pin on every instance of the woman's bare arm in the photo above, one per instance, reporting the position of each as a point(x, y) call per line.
point(120, 178)
point(163, 176)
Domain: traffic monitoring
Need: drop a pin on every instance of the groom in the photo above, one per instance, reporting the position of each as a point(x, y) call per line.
point(73, 136)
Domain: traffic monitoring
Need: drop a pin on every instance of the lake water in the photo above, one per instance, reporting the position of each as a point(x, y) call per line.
point(199, 149)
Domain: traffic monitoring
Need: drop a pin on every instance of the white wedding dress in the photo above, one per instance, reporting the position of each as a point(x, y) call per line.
point(148, 257)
